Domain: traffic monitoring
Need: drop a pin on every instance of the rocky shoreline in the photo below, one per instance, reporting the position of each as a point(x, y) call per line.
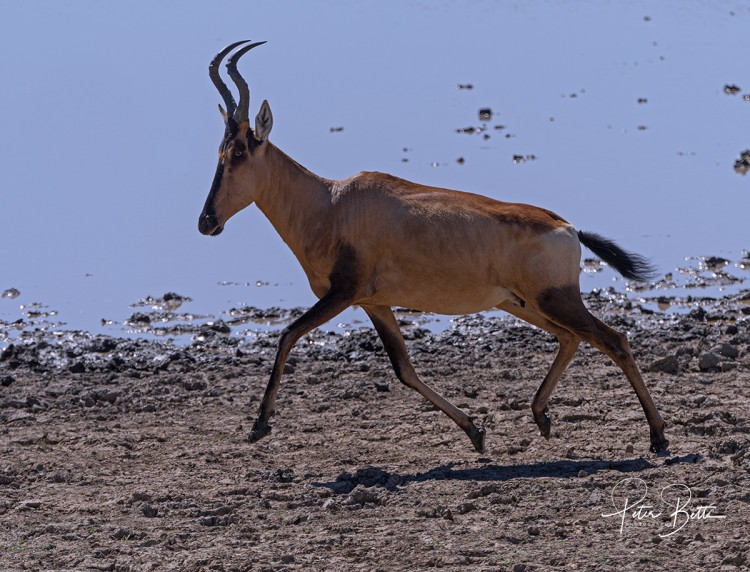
point(130, 454)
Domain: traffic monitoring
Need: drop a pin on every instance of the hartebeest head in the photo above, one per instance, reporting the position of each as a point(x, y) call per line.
point(242, 149)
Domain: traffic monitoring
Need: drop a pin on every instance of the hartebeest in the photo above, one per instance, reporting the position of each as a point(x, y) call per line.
point(378, 241)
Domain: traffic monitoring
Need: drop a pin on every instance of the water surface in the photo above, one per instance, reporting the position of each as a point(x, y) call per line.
point(617, 111)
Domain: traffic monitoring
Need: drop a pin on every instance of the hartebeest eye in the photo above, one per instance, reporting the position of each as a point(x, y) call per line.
point(238, 149)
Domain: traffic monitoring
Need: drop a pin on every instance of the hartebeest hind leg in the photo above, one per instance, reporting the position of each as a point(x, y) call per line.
point(564, 307)
point(329, 306)
point(569, 343)
point(385, 323)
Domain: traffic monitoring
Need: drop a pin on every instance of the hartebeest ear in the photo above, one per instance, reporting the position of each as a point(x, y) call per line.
point(223, 113)
point(263, 122)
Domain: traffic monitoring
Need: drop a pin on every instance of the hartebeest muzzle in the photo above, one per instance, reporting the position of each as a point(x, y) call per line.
point(208, 222)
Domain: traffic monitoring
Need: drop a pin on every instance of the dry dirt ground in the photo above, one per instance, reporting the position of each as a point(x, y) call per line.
point(127, 455)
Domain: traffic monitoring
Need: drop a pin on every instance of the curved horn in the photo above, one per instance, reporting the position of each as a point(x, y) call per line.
point(243, 109)
point(213, 73)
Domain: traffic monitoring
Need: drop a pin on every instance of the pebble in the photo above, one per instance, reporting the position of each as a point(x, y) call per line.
point(668, 364)
point(362, 495)
point(466, 507)
point(148, 511)
point(708, 361)
point(728, 350)
point(31, 503)
point(331, 505)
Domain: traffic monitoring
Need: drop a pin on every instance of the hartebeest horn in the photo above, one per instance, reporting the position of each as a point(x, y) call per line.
point(243, 108)
point(213, 73)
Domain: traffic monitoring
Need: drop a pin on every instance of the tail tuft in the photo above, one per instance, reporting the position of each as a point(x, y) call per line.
point(632, 266)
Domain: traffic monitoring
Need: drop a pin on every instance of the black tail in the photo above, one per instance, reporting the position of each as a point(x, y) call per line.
point(631, 266)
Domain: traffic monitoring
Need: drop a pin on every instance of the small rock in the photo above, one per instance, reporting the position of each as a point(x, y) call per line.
point(731, 89)
point(193, 384)
point(148, 511)
point(122, 534)
point(10, 293)
point(139, 496)
point(533, 531)
point(708, 361)
point(7, 380)
point(484, 491)
point(77, 367)
point(699, 399)
point(331, 505)
point(629, 449)
point(31, 503)
point(471, 392)
point(520, 568)
point(107, 395)
point(362, 495)
point(728, 350)
point(466, 507)
point(742, 165)
point(668, 364)
point(139, 318)
point(582, 473)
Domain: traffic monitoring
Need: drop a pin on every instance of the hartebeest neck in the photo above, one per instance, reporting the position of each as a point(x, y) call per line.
point(292, 198)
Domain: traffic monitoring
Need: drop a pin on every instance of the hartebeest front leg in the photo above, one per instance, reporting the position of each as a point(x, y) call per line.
point(329, 306)
point(385, 323)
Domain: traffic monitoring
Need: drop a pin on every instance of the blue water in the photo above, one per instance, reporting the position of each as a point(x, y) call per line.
point(110, 132)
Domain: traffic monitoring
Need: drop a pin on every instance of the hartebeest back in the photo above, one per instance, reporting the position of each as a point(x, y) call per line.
point(378, 241)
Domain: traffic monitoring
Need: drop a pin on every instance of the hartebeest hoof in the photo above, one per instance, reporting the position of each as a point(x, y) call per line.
point(260, 429)
point(477, 435)
point(659, 443)
point(544, 422)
